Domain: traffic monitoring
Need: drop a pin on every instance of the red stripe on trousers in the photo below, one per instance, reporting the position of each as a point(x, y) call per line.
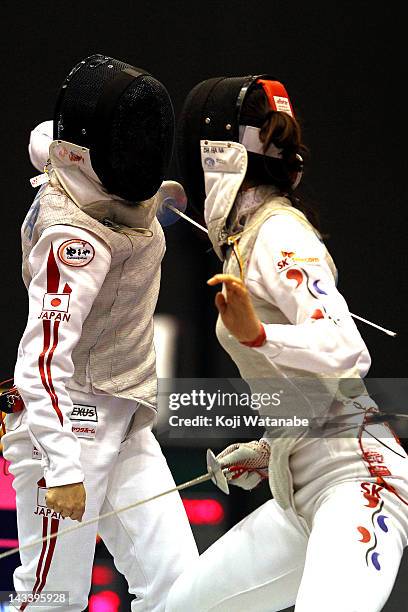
point(50, 554)
point(40, 560)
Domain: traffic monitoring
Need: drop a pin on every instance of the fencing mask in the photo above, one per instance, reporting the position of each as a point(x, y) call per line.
point(124, 117)
point(213, 115)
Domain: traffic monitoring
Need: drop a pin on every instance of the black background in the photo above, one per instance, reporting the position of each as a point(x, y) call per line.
point(344, 67)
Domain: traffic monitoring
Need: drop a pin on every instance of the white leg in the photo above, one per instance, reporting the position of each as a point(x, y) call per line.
point(61, 564)
point(255, 566)
point(355, 548)
point(152, 544)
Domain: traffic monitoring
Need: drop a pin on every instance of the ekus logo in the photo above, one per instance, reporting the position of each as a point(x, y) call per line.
point(85, 419)
point(84, 413)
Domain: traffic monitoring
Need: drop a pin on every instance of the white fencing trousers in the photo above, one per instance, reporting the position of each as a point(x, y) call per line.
point(151, 544)
point(346, 562)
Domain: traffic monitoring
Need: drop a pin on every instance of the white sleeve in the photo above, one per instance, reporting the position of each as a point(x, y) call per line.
point(288, 269)
point(68, 266)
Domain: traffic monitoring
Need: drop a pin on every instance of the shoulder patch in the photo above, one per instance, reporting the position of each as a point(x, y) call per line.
point(76, 253)
point(284, 261)
point(291, 258)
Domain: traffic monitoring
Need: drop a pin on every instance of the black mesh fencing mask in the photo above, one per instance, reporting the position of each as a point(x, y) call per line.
point(124, 117)
point(211, 111)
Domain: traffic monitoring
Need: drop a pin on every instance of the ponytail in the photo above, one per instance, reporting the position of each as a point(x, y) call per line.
point(284, 132)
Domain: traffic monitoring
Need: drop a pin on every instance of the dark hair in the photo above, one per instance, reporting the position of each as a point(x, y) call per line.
point(285, 133)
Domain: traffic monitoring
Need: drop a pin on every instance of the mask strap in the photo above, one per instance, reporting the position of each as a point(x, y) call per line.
point(277, 96)
point(249, 137)
point(279, 100)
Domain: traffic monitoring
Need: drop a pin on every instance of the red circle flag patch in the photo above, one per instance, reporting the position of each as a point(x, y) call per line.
point(76, 253)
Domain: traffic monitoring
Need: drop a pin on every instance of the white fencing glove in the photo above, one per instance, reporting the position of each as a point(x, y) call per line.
point(248, 461)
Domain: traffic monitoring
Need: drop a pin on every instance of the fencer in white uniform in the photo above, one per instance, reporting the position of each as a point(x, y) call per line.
point(333, 535)
point(86, 372)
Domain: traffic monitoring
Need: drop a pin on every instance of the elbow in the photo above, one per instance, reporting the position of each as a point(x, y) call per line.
point(20, 383)
point(350, 352)
point(343, 352)
point(346, 360)
point(363, 362)
point(30, 387)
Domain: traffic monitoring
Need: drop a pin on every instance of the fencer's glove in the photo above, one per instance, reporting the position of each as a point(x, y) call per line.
point(248, 461)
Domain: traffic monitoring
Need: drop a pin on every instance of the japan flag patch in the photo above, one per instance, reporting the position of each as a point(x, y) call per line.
point(58, 302)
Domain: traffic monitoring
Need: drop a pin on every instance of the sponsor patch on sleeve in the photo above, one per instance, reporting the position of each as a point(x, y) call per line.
point(290, 258)
point(76, 253)
point(285, 261)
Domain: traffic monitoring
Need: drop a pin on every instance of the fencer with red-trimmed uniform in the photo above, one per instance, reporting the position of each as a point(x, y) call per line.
point(92, 251)
point(333, 535)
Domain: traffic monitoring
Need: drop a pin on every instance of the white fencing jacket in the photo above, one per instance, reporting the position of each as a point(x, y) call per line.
point(44, 364)
point(92, 293)
point(289, 268)
point(312, 343)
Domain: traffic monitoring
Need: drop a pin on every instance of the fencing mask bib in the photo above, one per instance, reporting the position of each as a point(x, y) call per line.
point(124, 117)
